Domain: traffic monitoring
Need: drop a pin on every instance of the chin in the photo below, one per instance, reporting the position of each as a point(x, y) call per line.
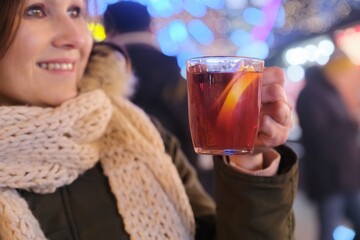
point(57, 100)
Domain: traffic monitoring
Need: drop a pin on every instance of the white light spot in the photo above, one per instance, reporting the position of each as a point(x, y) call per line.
point(295, 73)
point(312, 52)
point(326, 47)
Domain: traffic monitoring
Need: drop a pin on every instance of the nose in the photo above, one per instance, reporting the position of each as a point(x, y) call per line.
point(70, 33)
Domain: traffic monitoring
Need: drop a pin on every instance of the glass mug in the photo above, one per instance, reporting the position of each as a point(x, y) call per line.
point(224, 97)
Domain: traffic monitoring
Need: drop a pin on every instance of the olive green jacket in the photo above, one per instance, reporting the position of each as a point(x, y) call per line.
point(248, 207)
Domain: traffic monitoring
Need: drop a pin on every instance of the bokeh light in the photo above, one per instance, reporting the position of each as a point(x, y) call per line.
point(247, 27)
point(201, 32)
point(295, 73)
point(343, 233)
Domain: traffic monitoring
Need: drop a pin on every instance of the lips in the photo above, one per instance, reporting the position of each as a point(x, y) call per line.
point(56, 66)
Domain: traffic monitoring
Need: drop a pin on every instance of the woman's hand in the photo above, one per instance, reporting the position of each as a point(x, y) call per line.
point(275, 121)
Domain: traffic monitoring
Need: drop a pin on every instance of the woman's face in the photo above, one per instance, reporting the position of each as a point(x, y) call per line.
point(48, 55)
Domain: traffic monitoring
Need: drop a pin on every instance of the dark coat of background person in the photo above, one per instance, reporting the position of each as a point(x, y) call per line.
point(329, 135)
point(160, 90)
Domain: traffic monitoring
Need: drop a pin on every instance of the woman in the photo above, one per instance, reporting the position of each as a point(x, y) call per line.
point(78, 161)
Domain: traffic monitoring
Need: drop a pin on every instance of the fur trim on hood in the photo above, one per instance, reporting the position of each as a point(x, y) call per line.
point(108, 69)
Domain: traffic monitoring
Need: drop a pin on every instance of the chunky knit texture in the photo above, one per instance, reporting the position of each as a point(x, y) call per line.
point(42, 149)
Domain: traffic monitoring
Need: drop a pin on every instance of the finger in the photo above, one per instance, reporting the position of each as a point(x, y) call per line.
point(273, 75)
point(280, 111)
point(271, 133)
point(273, 92)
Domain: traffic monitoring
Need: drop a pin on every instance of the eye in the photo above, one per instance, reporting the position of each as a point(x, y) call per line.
point(36, 11)
point(75, 12)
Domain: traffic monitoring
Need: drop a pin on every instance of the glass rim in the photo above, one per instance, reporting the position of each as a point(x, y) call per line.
point(224, 57)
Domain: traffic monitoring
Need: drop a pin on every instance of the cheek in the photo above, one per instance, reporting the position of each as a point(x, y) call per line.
point(10, 78)
point(85, 52)
point(3, 77)
point(12, 84)
point(88, 48)
point(88, 43)
point(19, 61)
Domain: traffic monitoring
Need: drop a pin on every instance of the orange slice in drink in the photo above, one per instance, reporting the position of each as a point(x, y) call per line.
point(232, 98)
point(236, 77)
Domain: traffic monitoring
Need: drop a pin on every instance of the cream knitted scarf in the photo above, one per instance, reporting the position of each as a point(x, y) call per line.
point(42, 149)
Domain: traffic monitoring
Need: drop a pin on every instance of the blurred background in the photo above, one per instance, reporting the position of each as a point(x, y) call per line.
point(292, 34)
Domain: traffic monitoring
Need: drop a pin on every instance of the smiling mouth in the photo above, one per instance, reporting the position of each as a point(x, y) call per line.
point(56, 66)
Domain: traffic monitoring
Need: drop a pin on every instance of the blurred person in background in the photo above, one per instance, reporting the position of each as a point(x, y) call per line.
point(327, 108)
point(160, 89)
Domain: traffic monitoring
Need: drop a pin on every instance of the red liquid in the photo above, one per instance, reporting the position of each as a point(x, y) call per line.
point(224, 110)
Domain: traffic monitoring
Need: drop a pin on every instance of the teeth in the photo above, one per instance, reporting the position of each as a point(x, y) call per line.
point(56, 66)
